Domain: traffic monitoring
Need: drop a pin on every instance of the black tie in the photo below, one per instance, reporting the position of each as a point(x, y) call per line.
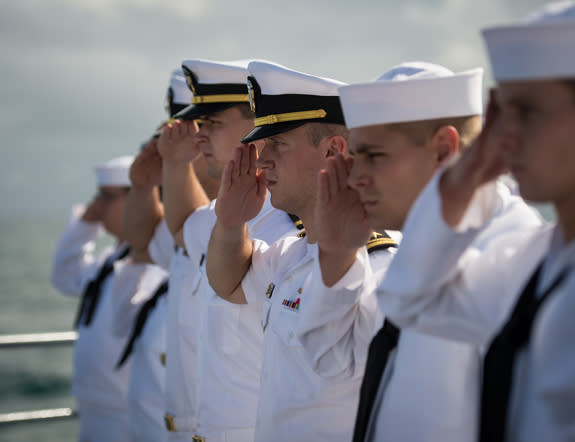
point(379, 349)
point(140, 322)
point(91, 295)
point(500, 358)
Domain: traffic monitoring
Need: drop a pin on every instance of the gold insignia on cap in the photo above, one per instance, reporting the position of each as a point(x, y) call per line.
point(290, 116)
point(220, 98)
point(252, 95)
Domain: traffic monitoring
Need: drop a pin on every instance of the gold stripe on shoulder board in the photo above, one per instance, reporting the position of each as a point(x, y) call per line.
point(379, 242)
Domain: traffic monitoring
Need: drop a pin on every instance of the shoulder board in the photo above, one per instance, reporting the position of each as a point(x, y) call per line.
point(298, 222)
point(379, 241)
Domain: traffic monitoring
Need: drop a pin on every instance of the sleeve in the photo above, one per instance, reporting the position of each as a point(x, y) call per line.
point(74, 261)
point(197, 230)
point(338, 323)
point(455, 283)
point(161, 246)
point(260, 274)
point(134, 284)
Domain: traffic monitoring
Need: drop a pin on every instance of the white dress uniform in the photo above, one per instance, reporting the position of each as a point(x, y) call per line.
point(134, 285)
point(222, 341)
point(295, 402)
point(468, 295)
point(176, 402)
point(100, 390)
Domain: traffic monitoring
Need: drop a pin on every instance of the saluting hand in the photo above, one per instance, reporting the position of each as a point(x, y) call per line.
point(94, 212)
point(242, 191)
point(479, 164)
point(179, 142)
point(340, 220)
point(146, 170)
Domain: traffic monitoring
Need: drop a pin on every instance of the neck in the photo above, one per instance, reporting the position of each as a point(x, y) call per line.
point(309, 224)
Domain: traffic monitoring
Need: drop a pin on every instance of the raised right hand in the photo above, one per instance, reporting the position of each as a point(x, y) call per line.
point(94, 212)
point(479, 164)
point(242, 191)
point(178, 142)
point(146, 170)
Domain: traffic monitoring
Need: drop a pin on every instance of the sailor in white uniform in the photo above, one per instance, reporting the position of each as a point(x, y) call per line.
point(515, 297)
point(299, 118)
point(416, 387)
point(220, 351)
point(155, 382)
point(143, 285)
point(99, 389)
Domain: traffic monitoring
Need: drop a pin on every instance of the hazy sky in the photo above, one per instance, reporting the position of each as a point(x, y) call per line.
point(84, 80)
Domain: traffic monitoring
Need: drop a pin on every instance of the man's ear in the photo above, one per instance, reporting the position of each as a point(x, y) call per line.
point(445, 141)
point(336, 144)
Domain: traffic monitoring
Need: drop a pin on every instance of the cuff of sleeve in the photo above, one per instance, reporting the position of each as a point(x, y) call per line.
point(84, 227)
point(356, 274)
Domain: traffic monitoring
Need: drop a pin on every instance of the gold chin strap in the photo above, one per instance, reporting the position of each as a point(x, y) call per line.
point(290, 116)
point(223, 98)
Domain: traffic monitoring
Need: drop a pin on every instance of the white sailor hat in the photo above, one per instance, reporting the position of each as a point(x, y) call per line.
point(215, 86)
point(413, 91)
point(115, 172)
point(284, 99)
point(541, 47)
point(178, 95)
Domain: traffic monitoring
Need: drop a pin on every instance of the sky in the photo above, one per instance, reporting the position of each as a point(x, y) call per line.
point(83, 81)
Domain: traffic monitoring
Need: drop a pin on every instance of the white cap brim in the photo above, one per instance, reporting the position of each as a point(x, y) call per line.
point(385, 102)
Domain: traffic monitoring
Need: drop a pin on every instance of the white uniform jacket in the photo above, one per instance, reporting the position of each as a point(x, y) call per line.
point(146, 389)
point(296, 403)
point(469, 293)
point(221, 341)
point(96, 384)
point(182, 268)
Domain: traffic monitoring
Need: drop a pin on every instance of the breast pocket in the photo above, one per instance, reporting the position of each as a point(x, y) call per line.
point(283, 324)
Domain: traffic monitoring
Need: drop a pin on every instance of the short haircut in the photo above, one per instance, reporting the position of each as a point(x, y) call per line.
point(419, 132)
point(245, 111)
point(318, 131)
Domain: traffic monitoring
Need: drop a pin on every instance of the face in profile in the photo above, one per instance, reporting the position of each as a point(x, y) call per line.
point(535, 128)
point(389, 171)
point(219, 133)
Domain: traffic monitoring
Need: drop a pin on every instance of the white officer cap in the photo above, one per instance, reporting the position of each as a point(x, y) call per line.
point(215, 86)
point(413, 91)
point(115, 172)
point(179, 95)
point(284, 99)
point(541, 47)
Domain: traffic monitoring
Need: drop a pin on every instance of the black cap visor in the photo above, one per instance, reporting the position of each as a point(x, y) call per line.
point(269, 130)
point(195, 111)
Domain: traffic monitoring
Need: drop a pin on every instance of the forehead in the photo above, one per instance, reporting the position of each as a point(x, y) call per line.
point(290, 135)
point(373, 137)
point(223, 114)
point(542, 91)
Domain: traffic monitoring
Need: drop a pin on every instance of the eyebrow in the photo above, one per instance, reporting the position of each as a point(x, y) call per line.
point(365, 147)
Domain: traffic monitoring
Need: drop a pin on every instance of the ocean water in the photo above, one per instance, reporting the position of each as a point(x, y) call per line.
point(33, 378)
